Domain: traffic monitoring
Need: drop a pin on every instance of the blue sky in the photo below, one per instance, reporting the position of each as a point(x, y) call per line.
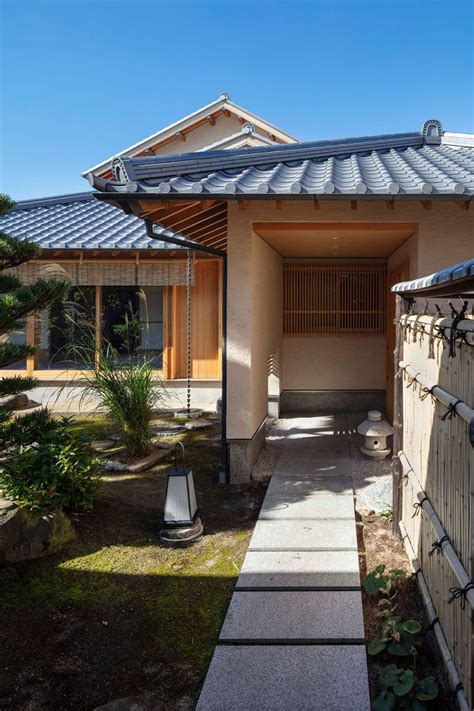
point(81, 80)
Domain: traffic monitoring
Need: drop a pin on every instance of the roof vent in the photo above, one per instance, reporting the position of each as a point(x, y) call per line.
point(432, 131)
point(248, 128)
point(224, 96)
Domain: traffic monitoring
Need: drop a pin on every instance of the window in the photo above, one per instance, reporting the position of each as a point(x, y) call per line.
point(328, 298)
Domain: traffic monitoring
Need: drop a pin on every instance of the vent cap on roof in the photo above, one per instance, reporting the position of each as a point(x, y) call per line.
point(224, 96)
point(432, 131)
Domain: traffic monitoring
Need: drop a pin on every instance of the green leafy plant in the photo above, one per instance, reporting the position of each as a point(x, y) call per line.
point(402, 690)
point(47, 464)
point(387, 513)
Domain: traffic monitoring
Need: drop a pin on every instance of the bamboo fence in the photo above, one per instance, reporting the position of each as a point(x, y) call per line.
point(437, 467)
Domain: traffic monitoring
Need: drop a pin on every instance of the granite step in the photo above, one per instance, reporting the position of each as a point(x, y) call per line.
point(299, 570)
point(292, 505)
point(321, 617)
point(315, 535)
point(282, 677)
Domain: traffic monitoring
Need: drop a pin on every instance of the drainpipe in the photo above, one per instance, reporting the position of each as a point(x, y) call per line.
point(188, 244)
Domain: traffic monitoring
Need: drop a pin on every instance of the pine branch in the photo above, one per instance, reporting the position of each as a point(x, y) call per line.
point(6, 203)
point(13, 352)
point(15, 306)
point(16, 384)
point(15, 251)
point(9, 282)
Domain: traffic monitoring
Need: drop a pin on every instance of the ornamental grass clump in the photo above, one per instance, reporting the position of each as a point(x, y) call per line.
point(46, 464)
point(130, 392)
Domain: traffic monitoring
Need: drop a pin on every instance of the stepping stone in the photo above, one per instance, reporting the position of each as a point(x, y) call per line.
point(282, 677)
point(198, 424)
point(305, 486)
point(325, 467)
point(299, 569)
point(147, 462)
point(310, 450)
point(287, 505)
point(324, 616)
point(334, 534)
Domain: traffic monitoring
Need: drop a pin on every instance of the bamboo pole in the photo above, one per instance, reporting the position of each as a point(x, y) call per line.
point(446, 547)
point(463, 410)
point(451, 669)
point(401, 306)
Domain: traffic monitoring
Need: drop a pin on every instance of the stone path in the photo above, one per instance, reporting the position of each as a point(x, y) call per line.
point(293, 637)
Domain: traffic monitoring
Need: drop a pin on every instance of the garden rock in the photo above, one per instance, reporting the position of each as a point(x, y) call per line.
point(102, 445)
point(147, 462)
point(132, 703)
point(25, 534)
point(14, 402)
point(198, 424)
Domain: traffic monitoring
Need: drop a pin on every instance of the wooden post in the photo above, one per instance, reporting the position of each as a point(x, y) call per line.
point(98, 323)
point(401, 307)
point(30, 341)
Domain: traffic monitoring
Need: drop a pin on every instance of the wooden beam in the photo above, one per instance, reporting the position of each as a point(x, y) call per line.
point(226, 113)
point(181, 135)
point(279, 204)
point(30, 341)
point(206, 204)
point(191, 220)
point(353, 204)
point(243, 204)
point(316, 204)
point(211, 120)
point(427, 204)
point(390, 204)
point(241, 120)
point(463, 204)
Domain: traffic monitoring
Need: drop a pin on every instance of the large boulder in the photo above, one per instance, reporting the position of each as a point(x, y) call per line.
point(14, 402)
point(28, 534)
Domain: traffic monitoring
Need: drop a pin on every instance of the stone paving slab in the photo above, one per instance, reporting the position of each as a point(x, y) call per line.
point(309, 467)
point(308, 485)
point(291, 505)
point(334, 534)
point(299, 569)
point(321, 616)
point(301, 450)
point(283, 677)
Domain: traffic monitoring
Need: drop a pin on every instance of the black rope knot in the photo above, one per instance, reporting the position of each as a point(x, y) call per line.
point(431, 626)
point(457, 317)
point(437, 546)
point(459, 687)
point(424, 392)
point(451, 411)
point(457, 593)
point(418, 505)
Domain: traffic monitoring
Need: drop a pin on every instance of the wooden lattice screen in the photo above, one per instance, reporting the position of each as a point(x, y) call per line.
point(330, 298)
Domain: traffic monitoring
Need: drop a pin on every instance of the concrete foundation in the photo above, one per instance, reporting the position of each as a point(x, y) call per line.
point(244, 453)
point(331, 401)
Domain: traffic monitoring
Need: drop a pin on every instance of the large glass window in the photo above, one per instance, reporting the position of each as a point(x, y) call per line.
point(66, 330)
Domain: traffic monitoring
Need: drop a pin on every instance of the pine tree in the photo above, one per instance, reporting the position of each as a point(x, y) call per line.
point(17, 301)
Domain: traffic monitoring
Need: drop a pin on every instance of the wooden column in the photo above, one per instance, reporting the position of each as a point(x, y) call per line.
point(30, 341)
point(98, 322)
point(401, 307)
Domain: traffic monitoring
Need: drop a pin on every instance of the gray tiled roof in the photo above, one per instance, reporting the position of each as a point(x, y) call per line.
point(78, 221)
point(457, 273)
point(405, 163)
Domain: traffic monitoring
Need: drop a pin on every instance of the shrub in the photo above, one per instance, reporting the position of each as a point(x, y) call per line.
point(47, 465)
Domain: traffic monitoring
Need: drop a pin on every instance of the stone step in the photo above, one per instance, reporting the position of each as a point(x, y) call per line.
point(291, 505)
point(270, 616)
point(282, 677)
point(334, 534)
point(286, 467)
point(310, 485)
point(300, 569)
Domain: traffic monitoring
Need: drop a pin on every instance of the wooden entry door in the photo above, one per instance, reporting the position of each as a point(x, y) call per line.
point(401, 274)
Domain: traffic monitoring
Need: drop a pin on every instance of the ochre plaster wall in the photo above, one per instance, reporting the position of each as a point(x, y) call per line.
point(445, 235)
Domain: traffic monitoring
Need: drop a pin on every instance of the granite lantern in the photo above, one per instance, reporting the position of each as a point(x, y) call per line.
point(375, 430)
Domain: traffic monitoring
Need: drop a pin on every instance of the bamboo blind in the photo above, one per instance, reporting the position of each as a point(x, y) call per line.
point(442, 458)
point(164, 273)
point(330, 298)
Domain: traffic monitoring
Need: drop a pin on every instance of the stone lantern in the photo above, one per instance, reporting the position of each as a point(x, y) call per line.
point(375, 430)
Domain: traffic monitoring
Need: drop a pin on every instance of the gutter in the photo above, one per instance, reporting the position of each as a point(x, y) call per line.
point(188, 244)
